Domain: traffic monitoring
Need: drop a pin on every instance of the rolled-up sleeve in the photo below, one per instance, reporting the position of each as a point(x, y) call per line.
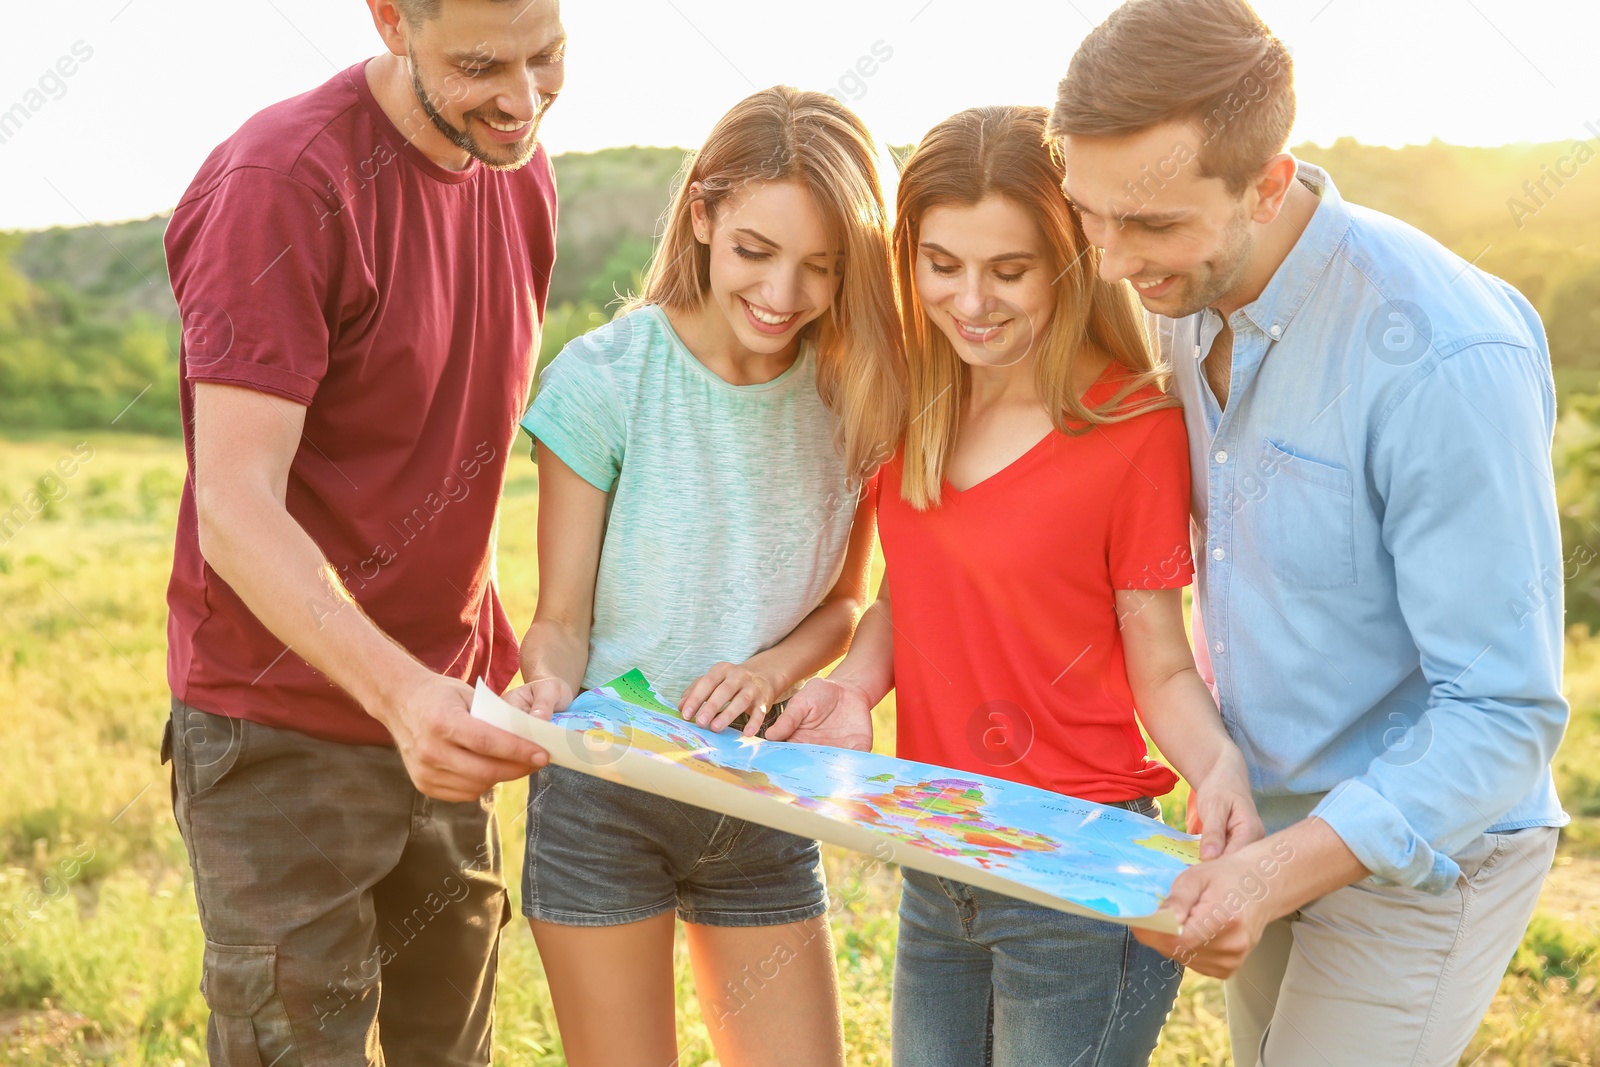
point(1462, 466)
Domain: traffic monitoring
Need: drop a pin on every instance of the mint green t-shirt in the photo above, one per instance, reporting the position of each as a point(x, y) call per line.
point(729, 509)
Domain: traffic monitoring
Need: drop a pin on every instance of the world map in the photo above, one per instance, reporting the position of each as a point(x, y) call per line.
point(1071, 854)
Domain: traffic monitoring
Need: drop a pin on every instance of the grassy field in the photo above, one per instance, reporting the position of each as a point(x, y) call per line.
point(99, 943)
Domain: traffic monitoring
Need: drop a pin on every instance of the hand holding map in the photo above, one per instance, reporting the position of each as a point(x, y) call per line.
point(827, 712)
point(1057, 851)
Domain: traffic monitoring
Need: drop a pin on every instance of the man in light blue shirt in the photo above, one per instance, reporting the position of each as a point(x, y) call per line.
point(1379, 568)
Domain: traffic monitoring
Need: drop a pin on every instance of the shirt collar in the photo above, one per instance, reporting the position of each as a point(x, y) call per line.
point(1292, 282)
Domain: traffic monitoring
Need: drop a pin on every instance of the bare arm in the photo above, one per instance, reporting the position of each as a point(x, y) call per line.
point(244, 443)
point(1183, 720)
point(870, 665)
point(728, 690)
point(555, 651)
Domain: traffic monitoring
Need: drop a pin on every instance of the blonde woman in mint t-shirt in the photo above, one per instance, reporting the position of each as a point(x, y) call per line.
point(701, 518)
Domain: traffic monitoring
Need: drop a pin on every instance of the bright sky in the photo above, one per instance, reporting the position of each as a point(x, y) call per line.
point(165, 80)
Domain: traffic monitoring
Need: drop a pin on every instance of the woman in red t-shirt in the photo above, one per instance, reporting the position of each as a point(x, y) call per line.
point(1034, 523)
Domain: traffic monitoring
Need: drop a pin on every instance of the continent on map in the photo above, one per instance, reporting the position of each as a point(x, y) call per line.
point(946, 815)
point(1184, 849)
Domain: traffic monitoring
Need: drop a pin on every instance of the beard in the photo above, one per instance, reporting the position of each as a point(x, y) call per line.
point(499, 156)
point(1224, 274)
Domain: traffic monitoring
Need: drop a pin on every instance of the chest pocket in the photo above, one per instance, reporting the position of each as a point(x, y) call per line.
point(1308, 521)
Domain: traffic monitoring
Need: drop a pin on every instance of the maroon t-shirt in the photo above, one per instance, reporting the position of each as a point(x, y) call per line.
point(319, 257)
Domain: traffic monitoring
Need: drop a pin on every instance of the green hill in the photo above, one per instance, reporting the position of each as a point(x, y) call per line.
point(88, 327)
point(87, 323)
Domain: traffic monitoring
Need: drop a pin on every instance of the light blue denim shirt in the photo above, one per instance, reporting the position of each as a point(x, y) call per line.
point(1379, 570)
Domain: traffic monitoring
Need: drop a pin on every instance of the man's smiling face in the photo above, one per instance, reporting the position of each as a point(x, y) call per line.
point(1183, 240)
point(485, 71)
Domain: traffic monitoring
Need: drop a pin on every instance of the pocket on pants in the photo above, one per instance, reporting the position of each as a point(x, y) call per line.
point(205, 748)
point(249, 1026)
point(1484, 855)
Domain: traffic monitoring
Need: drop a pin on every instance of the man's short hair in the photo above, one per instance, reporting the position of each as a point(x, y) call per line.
point(1213, 63)
point(417, 12)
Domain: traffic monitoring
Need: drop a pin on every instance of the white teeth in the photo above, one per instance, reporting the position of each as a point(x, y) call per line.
point(978, 331)
point(1151, 285)
point(503, 128)
point(767, 317)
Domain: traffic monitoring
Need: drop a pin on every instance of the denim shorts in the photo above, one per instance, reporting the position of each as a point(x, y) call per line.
point(601, 853)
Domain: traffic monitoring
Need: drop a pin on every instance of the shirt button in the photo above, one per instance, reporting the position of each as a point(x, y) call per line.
point(1218, 647)
point(1218, 554)
point(1222, 456)
point(1276, 330)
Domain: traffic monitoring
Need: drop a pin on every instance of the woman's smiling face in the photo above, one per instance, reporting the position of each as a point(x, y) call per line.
point(774, 267)
point(984, 277)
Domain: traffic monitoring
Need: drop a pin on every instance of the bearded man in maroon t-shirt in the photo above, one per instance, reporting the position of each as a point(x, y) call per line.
point(361, 272)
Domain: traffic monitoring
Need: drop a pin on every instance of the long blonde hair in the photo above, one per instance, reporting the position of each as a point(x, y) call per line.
point(1002, 151)
point(784, 134)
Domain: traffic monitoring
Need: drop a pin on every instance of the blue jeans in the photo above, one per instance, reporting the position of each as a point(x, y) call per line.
point(983, 979)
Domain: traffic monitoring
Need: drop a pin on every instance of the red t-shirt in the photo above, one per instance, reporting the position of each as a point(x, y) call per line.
point(1007, 656)
point(320, 257)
